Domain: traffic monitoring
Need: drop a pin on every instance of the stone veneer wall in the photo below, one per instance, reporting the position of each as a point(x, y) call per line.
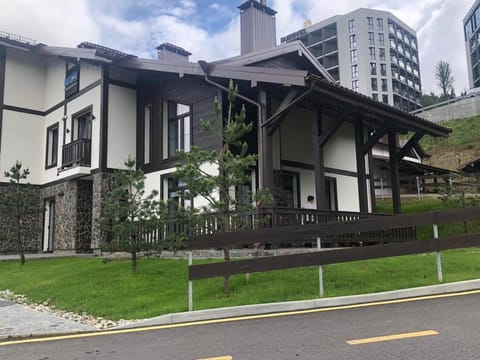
point(84, 216)
point(65, 195)
point(101, 185)
point(33, 229)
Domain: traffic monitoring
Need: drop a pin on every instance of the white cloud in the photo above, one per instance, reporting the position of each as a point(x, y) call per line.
point(138, 26)
point(54, 22)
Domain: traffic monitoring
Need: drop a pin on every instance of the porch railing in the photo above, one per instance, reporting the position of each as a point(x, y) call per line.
point(77, 153)
point(272, 217)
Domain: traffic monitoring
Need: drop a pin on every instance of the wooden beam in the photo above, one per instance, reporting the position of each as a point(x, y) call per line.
point(318, 159)
point(332, 128)
point(409, 145)
point(361, 173)
point(274, 120)
point(394, 175)
point(196, 272)
point(373, 139)
point(266, 158)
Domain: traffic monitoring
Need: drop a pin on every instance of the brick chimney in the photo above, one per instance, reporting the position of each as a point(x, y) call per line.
point(169, 53)
point(257, 26)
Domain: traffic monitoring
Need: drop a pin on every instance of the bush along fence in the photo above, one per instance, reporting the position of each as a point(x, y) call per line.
point(331, 232)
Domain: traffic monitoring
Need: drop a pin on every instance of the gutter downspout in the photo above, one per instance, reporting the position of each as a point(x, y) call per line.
point(261, 176)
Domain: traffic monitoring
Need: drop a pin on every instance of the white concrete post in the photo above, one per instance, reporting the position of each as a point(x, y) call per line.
point(418, 187)
point(320, 269)
point(190, 284)
point(439, 259)
point(381, 188)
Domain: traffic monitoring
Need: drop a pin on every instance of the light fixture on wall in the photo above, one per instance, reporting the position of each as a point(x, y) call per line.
point(61, 194)
point(65, 117)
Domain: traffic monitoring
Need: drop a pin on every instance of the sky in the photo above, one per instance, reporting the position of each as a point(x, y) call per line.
point(210, 29)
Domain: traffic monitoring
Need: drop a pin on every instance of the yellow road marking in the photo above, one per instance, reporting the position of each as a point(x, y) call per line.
point(240, 318)
point(228, 357)
point(392, 337)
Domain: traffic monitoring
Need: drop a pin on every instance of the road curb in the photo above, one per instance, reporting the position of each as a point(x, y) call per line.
point(259, 309)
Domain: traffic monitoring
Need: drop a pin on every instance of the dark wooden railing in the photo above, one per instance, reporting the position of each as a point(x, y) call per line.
point(279, 235)
point(77, 153)
point(174, 234)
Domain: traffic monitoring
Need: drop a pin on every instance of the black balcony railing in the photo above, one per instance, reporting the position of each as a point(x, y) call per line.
point(77, 153)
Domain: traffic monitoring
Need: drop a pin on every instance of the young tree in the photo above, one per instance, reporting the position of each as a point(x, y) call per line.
point(231, 163)
point(128, 213)
point(20, 208)
point(444, 76)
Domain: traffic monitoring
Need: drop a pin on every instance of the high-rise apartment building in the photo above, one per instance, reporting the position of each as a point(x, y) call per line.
point(471, 26)
point(369, 51)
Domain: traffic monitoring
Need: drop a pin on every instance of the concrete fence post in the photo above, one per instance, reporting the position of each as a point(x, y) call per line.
point(190, 284)
point(439, 259)
point(320, 269)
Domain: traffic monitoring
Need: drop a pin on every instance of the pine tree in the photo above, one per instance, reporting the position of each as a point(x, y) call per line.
point(20, 208)
point(231, 166)
point(129, 214)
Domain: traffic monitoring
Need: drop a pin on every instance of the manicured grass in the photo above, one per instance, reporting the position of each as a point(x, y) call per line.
point(160, 287)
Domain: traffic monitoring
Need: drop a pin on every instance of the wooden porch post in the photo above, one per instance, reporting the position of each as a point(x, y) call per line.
point(394, 176)
point(318, 159)
point(266, 148)
point(361, 173)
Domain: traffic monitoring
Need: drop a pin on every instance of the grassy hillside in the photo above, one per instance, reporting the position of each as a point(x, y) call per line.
point(462, 146)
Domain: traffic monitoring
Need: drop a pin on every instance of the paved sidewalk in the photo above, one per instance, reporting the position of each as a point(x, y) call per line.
point(18, 321)
point(22, 321)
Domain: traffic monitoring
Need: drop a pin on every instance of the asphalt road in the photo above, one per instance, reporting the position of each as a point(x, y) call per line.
point(443, 328)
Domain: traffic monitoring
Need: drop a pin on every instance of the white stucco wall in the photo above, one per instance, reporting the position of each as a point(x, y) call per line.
point(25, 80)
point(122, 117)
point(91, 98)
point(347, 192)
point(89, 73)
point(22, 139)
point(49, 175)
point(54, 89)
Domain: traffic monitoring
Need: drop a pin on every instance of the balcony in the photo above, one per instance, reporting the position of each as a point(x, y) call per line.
point(77, 153)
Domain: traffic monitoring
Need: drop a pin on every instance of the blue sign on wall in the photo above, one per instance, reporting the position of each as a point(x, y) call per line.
point(72, 81)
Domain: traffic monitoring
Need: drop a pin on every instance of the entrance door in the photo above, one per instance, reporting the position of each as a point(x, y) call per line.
point(49, 226)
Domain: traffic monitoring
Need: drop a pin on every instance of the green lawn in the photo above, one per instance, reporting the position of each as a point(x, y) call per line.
point(160, 287)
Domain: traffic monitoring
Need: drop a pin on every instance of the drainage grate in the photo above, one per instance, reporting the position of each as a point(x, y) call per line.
point(4, 303)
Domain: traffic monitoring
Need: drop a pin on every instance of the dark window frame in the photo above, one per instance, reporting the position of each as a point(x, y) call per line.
point(51, 159)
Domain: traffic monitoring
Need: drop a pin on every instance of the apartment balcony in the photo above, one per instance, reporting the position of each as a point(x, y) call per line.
point(77, 153)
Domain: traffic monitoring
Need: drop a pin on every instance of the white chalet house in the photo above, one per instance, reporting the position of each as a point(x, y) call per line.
point(73, 115)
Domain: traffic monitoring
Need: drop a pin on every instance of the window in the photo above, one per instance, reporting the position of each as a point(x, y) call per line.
point(373, 68)
point(385, 99)
point(147, 134)
point(370, 23)
point(355, 85)
point(371, 51)
point(353, 41)
point(52, 146)
point(353, 56)
point(383, 69)
point(178, 128)
point(171, 189)
point(381, 39)
point(384, 85)
point(371, 38)
point(82, 126)
point(354, 71)
point(374, 84)
point(380, 24)
point(351, 26)
point(375, 96)
point(381, 54)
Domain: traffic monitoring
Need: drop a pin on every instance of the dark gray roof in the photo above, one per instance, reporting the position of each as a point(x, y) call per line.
point(280, 50)
point(250, 73)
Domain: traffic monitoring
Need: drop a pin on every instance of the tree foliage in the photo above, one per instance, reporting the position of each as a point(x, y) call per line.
point(129, 214)
point(216, 175)
point(20, 208)
point(445, 78)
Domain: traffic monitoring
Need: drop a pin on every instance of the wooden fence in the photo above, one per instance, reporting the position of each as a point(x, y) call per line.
point(332, 231)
